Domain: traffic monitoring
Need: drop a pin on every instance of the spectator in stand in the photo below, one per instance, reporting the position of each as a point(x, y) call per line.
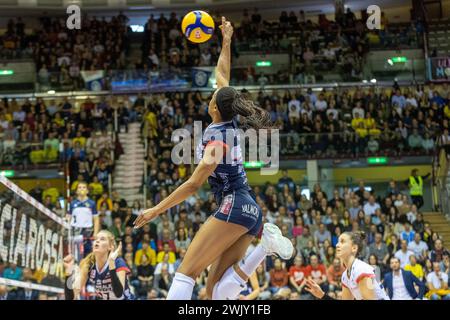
point(118, 228)
point(400, 284)
point(373, 262)
point(163, 280)
point(379, 249)
point(407, 234)
point(95, 188)
point(317, 272)
point(182, 240)
point(13, 272)
point(437, 282)
point(334, 274)
point(6, 293)
point(321, 235)
point(145, 273)
point(279, 277)
point(146, 251)
point(370, 207)
point(415, 268)
point(419, 248)
point(298, 275)
point(437, 254)
point(403, 254)
point(166, 252)
point(285, 180)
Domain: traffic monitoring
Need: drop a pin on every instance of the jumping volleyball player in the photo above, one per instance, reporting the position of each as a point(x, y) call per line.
point(102, 268)
point(358, 280)
point(223, 240)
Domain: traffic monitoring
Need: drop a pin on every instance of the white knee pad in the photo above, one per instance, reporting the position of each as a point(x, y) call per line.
point(229, 286)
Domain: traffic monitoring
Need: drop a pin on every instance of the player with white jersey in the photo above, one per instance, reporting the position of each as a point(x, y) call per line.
point(361, 271)
point(358, 280)
point(83, 217)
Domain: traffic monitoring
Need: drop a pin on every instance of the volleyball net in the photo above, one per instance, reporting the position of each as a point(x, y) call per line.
point(33, 242)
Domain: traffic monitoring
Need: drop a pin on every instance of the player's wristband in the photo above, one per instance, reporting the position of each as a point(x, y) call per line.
point(68, 292)
point(116, 285)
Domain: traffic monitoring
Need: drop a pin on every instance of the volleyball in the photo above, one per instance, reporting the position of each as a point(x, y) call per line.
point(197, 26)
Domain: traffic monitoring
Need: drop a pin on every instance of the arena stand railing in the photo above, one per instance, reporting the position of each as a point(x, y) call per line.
point(321, 71)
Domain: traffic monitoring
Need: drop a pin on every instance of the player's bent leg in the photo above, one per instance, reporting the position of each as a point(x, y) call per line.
point(229, 286)
point(235, 277)
point(209, 243)
point(229, 258)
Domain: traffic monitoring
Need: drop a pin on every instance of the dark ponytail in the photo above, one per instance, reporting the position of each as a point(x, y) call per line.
point(231, 103)
point(358, 238)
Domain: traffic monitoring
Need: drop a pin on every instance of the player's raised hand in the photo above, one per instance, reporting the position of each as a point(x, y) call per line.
point(69, 262)
point(227, 29)
point(145, 217)
point(313, 288)
point(114, 254)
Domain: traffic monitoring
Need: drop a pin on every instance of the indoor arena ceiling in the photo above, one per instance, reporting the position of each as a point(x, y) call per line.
point(309, 6)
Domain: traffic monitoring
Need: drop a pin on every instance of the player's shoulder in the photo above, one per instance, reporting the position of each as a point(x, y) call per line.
point(216, 130)
point(361, 269)
point(121, 265)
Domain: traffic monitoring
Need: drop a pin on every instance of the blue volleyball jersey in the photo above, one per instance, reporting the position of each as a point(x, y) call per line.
point(101, 281)
point(230, 176)
point(82, 213)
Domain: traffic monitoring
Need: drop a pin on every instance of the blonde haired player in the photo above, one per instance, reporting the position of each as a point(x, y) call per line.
point(102, 268)
point(358, 280)
point(223, 240)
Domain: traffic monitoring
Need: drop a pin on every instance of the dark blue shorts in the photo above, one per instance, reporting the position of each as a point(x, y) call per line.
point(240, 207)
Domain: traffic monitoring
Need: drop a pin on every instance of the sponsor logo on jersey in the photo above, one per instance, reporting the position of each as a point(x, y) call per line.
point(227, 204)
point(250, 209)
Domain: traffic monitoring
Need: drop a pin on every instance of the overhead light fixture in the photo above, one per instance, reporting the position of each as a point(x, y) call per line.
point(51, 91)
point(373, 80)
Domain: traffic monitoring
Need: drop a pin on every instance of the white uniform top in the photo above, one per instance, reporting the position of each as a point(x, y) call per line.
point(359, 271)
point(83, 213)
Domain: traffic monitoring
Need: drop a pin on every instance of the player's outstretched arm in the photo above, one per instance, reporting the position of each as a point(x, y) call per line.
point(212, 157)
point(224, 62)
point(74, 279)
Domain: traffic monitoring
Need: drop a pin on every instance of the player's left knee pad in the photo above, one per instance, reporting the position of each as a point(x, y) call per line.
point(229, 286)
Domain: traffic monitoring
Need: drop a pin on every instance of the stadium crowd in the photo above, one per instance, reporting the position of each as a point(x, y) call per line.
point(314, 45)
point(60, 54)
point(335, 122)
point(79, 136)
point(395, 227)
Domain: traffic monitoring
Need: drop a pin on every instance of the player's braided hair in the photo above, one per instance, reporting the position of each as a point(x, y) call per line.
point(231, 103)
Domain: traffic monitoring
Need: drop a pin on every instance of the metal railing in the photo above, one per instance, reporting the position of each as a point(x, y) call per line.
point(321, 70)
